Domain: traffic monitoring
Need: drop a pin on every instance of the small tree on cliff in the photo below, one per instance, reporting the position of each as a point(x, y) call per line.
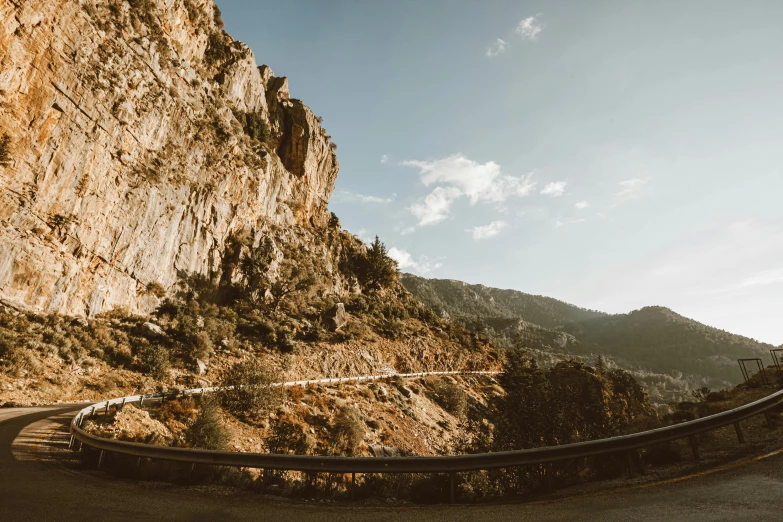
point(377, 269)
point(291, 275)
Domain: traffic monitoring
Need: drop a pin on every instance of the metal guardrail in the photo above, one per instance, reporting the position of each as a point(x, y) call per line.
point(451, 464)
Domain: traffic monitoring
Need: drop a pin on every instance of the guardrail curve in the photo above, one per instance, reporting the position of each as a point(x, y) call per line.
point(434, 464)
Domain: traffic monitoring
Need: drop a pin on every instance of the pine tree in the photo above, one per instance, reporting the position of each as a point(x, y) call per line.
point(600, 364)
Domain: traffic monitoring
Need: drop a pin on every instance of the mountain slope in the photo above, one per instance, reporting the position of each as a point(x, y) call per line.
point(464, 300)
point(652, 339)
point(665, 341)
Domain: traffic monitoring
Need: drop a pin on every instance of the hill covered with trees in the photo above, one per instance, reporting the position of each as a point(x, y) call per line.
point(664, 348)
point(463, 300)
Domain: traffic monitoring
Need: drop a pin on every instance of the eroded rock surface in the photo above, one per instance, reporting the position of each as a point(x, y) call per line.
point(142, 137)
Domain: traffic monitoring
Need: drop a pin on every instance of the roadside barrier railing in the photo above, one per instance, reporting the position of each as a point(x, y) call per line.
point(438, 464)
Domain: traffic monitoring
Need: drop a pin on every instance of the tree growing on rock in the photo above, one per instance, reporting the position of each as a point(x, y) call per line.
point(290, 276)
point(374, 268)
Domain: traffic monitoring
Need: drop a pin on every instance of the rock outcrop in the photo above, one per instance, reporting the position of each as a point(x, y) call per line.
point(142, 137)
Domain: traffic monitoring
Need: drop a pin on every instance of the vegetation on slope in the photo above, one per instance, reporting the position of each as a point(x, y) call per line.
point(665, 341)
point(666, 349)
point(465, 301)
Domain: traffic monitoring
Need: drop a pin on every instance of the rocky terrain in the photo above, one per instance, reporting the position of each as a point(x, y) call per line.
point(139, 137)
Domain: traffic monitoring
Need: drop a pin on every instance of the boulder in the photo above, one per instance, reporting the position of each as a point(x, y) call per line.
point(153, 328)
point(340, 316)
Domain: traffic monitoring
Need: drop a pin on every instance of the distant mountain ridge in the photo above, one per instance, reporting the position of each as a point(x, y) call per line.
point(653, 338)
point(463, 300)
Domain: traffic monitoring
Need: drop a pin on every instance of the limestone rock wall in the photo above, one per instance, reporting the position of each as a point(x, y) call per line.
point(129, 160)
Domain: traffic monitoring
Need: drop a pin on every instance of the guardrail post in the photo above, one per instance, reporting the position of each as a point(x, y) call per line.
point(453, 487)
point(548, 473)
point(740, 437)
point(353, 484)
point(769, 419)
point(107, 408)
point(141, 401)
point(629, 458)
point(695, 448)
point(100, 458)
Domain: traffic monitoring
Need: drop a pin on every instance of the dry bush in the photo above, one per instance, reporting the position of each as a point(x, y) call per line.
point(449, 395)
point(208, 431)
point(349, 429)
point(247, 389)
point(289, 435)
point(296, 393)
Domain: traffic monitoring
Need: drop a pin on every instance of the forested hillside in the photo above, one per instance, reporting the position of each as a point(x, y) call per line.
point(665, 341)
point(664, 349)
point(463, 300)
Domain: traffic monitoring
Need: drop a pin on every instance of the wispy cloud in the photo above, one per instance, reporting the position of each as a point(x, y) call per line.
point(487, 231)
point(582, 205)
point(497, 47)
point(630, 189)
point(766, 277)
point(456, 177)
point(554, 189)
point(385, 158)
point(569, 222)
point(353, 197)
point(530, 28)
point(406, 261)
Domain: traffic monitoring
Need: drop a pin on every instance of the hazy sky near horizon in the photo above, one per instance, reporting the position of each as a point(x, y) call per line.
point(612, 154)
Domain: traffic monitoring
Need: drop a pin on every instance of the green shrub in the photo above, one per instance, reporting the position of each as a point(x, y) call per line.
point(218, 51)
point(349, 429)
point(208, 431)
point(251, 394)
point(290, 436)
point(450, 396)
point(254, 125)
point(156, 289)
point(153, 359)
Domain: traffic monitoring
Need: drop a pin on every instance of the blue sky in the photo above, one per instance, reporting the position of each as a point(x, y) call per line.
point(609, 154)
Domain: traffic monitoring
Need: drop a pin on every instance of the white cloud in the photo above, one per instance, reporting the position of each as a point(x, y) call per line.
point(353, 197)
point(385, 158)
point(554, 189)
point(407, 262)
point(456, 177)
point(582, 205)
point(498, 47)
point(487, 231)
point(530, 28)
point(630, 189)
point(569, 222)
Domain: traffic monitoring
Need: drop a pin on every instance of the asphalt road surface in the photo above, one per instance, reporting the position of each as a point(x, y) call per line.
point(36, 485)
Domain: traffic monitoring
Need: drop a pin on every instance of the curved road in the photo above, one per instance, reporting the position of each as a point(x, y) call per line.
point(37, 483)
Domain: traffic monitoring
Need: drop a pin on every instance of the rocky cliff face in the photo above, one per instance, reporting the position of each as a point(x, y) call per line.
point(141, 138)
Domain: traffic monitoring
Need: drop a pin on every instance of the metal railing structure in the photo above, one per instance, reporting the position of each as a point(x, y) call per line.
point(439, 464)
